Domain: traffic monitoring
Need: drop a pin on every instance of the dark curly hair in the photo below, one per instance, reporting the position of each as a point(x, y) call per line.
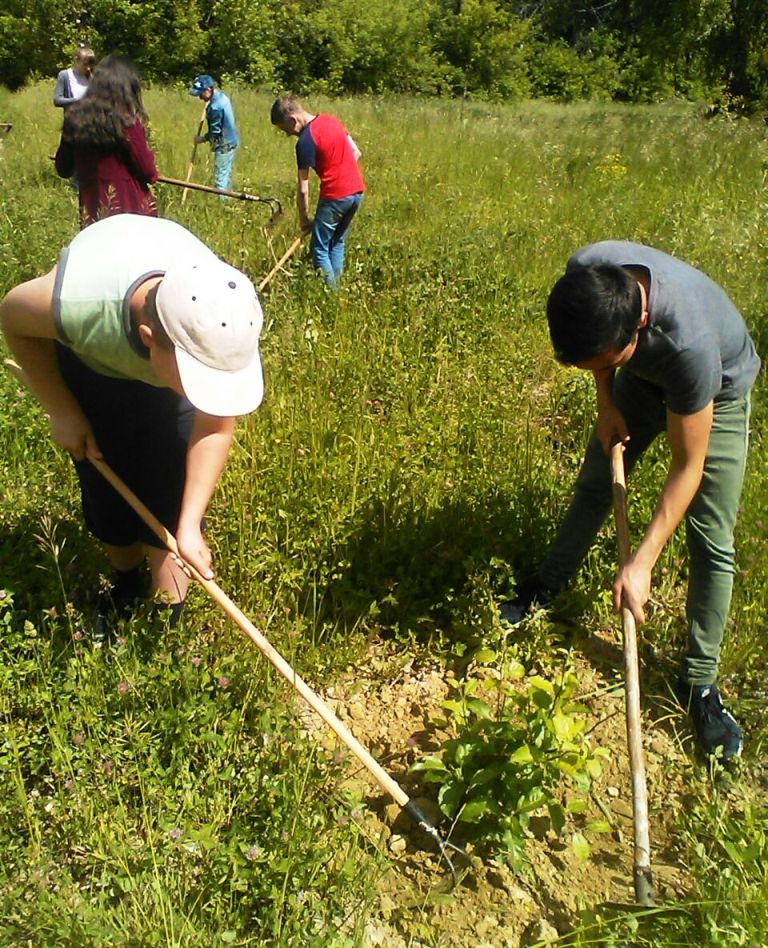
point(112, 102)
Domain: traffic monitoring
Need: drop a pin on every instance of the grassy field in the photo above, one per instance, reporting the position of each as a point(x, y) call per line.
point(410, 461)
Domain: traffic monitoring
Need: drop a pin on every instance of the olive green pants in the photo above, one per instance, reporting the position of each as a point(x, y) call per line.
point(709, 521)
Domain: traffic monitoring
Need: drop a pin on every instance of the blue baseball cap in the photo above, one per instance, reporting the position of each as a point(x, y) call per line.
point(201, 82)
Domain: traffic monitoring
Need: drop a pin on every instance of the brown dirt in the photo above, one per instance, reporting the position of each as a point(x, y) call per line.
point(391, 704)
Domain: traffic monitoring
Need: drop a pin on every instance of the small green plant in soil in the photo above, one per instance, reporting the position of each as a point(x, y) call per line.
point(520, 747)
point(725, 839)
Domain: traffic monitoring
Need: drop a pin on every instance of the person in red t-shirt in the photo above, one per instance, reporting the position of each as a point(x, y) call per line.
point(325, 146)
point(104, 140)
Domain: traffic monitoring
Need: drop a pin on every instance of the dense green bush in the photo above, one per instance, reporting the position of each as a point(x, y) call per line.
point(562, 49)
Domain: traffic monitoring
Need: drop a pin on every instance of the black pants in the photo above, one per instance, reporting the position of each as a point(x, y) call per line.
point(143, 432)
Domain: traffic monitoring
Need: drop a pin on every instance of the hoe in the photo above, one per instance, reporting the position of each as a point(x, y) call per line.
point(642, 878)
point(275, 205)
point(194, 152)
point(382, 778)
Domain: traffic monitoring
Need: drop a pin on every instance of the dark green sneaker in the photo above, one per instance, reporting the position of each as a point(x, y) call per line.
point(714, 726)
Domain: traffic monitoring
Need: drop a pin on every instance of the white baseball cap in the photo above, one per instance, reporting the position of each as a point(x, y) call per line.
point(213, 317)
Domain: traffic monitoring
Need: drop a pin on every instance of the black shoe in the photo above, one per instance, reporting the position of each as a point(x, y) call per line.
point(531, 595)
point(120, 601)
point(714, 727)
point(104, 619)
point(169, 614)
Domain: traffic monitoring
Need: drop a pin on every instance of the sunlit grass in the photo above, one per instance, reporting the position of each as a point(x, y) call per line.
point(415, 428)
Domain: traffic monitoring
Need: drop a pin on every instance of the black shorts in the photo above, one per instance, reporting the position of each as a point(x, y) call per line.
point(143, 432)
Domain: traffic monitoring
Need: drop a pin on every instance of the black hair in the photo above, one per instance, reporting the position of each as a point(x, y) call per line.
point(112, 102)
point(592, 310)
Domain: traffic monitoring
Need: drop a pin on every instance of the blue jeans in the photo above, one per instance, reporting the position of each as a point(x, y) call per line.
point(709, 520)
point(222, 168)
point(332, 220)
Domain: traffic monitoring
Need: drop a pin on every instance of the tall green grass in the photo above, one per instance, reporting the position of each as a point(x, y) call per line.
point(410, 461)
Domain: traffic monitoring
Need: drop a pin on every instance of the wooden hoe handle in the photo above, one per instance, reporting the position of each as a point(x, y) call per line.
point(285, 257)
point(643, 881)
point(194, 152)
point(381, 777)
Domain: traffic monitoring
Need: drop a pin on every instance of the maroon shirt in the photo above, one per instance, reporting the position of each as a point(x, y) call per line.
point(112, 182)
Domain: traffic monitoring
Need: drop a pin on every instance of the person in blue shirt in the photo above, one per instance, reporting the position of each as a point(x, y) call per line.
point(222, 130)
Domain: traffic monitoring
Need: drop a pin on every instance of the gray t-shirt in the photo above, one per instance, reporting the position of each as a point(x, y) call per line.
point(695, 347)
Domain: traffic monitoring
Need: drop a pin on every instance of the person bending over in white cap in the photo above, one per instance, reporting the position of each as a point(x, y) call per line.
point(142, 346)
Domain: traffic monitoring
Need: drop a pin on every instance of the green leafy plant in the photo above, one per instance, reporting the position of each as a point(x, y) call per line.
point(513, 756)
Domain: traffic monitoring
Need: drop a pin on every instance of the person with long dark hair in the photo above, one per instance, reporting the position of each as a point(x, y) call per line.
point(104, 141)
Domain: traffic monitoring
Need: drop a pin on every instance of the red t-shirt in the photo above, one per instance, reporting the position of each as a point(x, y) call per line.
point(325, 146)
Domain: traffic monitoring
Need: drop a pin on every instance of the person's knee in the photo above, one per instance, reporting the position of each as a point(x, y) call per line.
point(711, 549)
point(594, 480)
point(169, 580)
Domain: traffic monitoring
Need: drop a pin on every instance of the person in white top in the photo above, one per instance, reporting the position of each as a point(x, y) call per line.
point(72, 83)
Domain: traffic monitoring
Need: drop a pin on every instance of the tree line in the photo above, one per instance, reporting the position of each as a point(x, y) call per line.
point(564, 50)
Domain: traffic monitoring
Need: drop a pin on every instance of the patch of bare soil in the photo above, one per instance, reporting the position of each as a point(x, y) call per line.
point(391, 705)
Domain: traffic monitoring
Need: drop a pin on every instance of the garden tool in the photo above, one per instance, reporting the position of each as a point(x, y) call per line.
point(285, 257)
point(274, 204)
point(643, 881)
point(382, 778)
point(194, 151)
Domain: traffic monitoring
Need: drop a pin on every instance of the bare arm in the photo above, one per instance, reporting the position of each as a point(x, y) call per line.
point(688, 437)
point(610, 424)
point(302, 198)
point(355, 150)
point(206, 455)
point(26, 319)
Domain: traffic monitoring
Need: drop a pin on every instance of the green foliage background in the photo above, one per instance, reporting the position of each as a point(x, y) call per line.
point(554, 49)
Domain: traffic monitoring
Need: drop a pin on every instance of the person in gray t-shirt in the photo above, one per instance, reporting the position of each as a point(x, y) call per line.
point(669, 352)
